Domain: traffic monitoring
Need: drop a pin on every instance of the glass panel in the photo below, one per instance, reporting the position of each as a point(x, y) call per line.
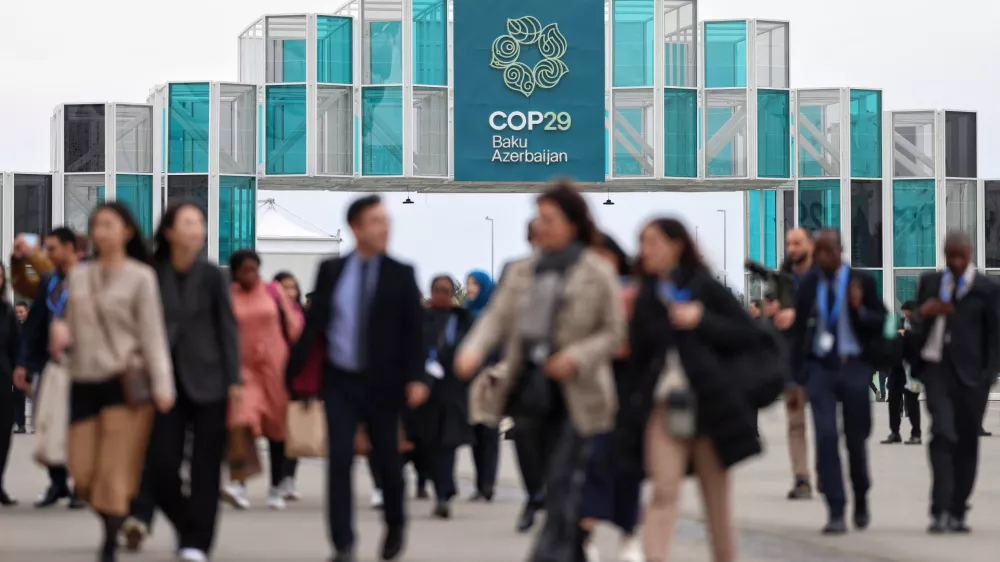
point(960, 209)
point(285, 134)
point(819, 133)
point(237, 215)
point(788, 203)
point(385, 63)
point(681, 49)
point(83, 141)
point(866, 223)
point(913, 145)
point(252, 56)
point(335, 132)
point(430, 131)
point(726, 148)
point(286, 49)
point(430, 42)
point(774, 157)
point(237, 129)
point(134, 138)
point(81, 194)
point(188, 128)
point(632, 51)
point(754, 220)
point(866, 134)
point(382, 131)
point(633, 116)
point(726, 54)
point(680, 133)
point(32, 203)
point(136, 193)
point(334, 50)
point(819, 204)
point(960, 145)
point(877, 274)
point(772, 54)
point(992, 223)
point(190, 189)
point(906, 287)
point(913, 223)
point(771, 228)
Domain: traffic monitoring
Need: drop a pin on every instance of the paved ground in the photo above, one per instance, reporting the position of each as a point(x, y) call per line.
point(771, 528)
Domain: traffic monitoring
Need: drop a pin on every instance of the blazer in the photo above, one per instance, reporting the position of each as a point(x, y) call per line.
point(10, 344)
point(395, 354)
point(34, 352)
point(201, 331)
point(973, 349)
point(868, 322)
point(590, 327)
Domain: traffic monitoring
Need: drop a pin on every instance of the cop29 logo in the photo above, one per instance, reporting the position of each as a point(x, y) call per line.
point(522, 33)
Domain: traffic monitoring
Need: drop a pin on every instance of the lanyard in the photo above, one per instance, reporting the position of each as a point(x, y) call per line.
point(450, 331)
point(56, 308)
point(946, 282)
point(668, 292)
point(829, 317)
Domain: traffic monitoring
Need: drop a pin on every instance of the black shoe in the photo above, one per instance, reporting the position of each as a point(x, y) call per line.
point(52, 496)
point(442, 510)
point(76, 503)
point(835, 526)
point(6, 500)
point(957, 524)
point(476, 496)
point(527, 519)
point(862, 517)
point(892, 439)
point(801, 491)
point(344, 556)
point(422, 492)
point(486, 494)
point(984, 433)
point(939, 524)
point(20, 430)
point(914, 440)
point(392, 545)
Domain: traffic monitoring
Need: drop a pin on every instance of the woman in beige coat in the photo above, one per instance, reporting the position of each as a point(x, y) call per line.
point(559, 315)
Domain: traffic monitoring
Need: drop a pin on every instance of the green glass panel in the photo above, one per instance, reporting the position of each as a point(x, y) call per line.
point(285, 131)
point(774, 158)
point(136, 193)
point(819, 204)
point(680, 132)
point(430, 42)
point(913, 223)
point(382, 131)
point(632, 52)
point(187, 128)
point(625, 162)
point(866, 134)
point(293, 60)
point(386, 52)
point(237, 215)
point(906, 288)
point(334, 50)
point(771, 229)
point(808, 166)
point(726, 54)
point(754, 220)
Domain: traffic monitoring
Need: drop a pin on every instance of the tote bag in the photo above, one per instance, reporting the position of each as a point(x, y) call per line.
point(52, 416)
point(306, 433)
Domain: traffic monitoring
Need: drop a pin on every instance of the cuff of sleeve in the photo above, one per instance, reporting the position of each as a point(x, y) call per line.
point(163, 387)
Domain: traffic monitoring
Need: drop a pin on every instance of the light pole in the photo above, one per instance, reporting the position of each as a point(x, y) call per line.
point(725, 245)
point(492, 275)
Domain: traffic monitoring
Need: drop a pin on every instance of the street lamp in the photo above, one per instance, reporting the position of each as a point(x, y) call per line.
point(492, 275)
point(725, 244)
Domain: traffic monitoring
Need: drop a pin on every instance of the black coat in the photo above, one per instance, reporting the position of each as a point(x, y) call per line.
point(34, 352)
point(10, 343)
point(711, 357)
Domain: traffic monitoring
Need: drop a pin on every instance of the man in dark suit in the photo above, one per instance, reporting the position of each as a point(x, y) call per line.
point(20, 398)
point(900, 396)
point(837, 317)
point(366, 314)
point(959, 358)
point(50, 302)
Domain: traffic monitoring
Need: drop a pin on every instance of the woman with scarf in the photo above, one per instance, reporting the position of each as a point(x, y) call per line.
point(559, 314)
point(486, 439)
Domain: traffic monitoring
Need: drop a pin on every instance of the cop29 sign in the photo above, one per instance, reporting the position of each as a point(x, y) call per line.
point(529, 90)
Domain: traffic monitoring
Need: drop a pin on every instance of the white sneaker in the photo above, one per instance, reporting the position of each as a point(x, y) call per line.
point(591, 553)
point(289, 491)
point(236, 495)
point(377, 501)
point(630, 550)
point(192, 555)
point(276, 498)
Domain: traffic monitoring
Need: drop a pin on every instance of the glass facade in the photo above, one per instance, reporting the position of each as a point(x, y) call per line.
point(187, 129)
point(190, 189)
point(237, 215)
point(762, 220)
point(960, 209)
point(334, 50)
point(136, 193)
point(991, 191)
point(680, 133)
point(913, 223)
point(771, 229)
point(681, 45)
point(134, 139)
point(755, 224)
point(32, 203)
point(386, 52)
point(877, 274)
point(335, 131)
point(960, 145)
point(774, 158)
point(430, 42)
point(866, 223)
point(83, 138)
point(633, 37)
point(237, 129)
point(771, 52)
point(81, 194)
point(906, 286)
point(382, 131)
point(788, 209)
point(430, 132)
point(866, 134)
point(285, 131)
point(819, 204)
point(818, 120)
point(633, 118)
point(726, 54)
point(913, 145)
point(726, 133)
point(286, 49)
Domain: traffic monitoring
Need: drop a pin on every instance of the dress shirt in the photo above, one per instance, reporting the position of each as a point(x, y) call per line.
point(342, 332)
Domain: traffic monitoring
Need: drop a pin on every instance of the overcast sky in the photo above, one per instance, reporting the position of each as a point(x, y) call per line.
point(923, 54)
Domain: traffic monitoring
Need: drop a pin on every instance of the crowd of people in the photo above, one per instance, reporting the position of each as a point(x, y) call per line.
point(615, 371)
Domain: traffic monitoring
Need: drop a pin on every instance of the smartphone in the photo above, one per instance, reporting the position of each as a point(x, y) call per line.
point(30, 238)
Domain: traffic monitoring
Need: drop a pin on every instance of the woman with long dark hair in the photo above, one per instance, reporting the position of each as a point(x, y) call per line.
point(119, 367)
point(287, 283)
point(687, 406)
point(9, 346)
point(559, 313)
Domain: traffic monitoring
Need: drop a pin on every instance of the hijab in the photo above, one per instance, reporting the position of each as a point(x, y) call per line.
point(485, 283)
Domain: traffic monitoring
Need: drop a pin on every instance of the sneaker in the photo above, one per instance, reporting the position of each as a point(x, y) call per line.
point(192, 555)
point(276, 498)
point(236, 495)
point(135, 532)
point(289, 491)
point(377, 501)
point(630, 549)
point(801, 491)
point(591, 552)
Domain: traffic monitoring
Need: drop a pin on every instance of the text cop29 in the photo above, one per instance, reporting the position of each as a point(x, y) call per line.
point(517, 120)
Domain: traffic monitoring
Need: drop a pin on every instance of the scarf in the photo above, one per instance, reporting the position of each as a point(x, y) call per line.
point(933, 349)
point(536, 325)
point(478, 304)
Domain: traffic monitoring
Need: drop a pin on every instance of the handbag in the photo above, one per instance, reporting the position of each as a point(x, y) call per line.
point(531, 396)
point(137, 386)
point(52, 416)
point(242, 455)
point(306, 429)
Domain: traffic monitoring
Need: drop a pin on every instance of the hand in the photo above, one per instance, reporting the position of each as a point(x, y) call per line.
point(936, 307)
point(855, 296)
point(235, 397)
point(784, 319)
point(795, 398)
point(467, 364)
point(416, 394)
point(164, 403)
point(560, 367)
point(21, 378)
point(59, 338)
point(22, 249)
point(686, 315)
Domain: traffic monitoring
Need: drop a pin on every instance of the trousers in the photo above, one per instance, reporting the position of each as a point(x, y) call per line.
point(798, 451)
point(6, 426)
point(534, 443)
point(898, 397)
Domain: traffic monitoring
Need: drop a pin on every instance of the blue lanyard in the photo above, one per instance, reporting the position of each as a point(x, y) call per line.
point(946, 281)
point(669, 292)
point(450, 332)
point(56, 308)
point(829, 317)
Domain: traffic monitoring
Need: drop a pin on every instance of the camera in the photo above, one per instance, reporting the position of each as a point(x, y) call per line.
point(779, 282)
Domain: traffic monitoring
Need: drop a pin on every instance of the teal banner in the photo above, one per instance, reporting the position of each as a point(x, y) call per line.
point(529, 90)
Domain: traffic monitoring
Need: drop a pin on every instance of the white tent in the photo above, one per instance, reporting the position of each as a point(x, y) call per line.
point(287, 242)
